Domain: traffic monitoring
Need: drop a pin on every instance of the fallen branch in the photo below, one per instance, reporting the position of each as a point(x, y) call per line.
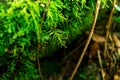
point(88, 40)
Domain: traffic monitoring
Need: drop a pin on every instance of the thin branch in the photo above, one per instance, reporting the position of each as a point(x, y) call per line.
point(39, 33)
point(100, 61)
point(108, 29)
point(74, 51)
point(43, 17)
point(88, 40)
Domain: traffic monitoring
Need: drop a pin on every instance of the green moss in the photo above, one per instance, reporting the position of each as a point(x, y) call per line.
point(26, 23)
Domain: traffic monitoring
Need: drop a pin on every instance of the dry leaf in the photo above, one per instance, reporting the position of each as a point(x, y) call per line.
point(119, 51)
point(116, 77)
point(93, 49)
point(98, 38)
point(116, 40)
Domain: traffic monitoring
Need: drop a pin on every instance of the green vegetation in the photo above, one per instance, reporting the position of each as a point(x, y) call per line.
point(25, 24)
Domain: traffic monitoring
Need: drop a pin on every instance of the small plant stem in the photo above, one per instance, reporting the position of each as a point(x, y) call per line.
point(74, 51)
point(88, 40)
point(43, 16)
point(39, 40)
point(100, 61)
point(108, 29)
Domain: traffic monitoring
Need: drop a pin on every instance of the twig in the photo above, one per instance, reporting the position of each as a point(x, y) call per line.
point(74, 51)
point(100, 61)
point(88, 40)
point(43, 17)
point(39, 33)
point(108, 29)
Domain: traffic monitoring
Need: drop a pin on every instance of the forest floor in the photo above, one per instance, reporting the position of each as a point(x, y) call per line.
point(97, 63)
point(100, 62)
